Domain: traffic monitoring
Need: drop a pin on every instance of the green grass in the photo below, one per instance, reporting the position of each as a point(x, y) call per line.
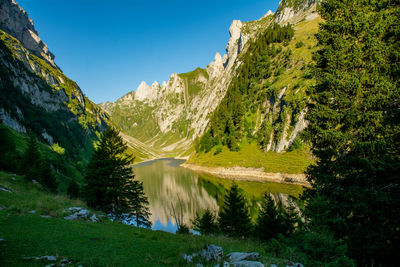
point(250, 155)
point(92, 244)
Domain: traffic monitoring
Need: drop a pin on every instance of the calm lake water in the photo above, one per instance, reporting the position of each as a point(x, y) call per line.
point(168, 185)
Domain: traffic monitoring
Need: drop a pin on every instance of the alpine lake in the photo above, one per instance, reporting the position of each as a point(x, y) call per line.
point(170, 187)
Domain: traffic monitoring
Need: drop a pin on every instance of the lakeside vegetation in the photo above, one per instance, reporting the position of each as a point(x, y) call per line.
point(250, 155)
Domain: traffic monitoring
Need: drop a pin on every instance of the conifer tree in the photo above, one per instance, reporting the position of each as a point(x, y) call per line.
point(206, 223)
point(32, 160)
point(137, 203)
point(354, 128)
point(110, 184)
point(274, 218)
point(234, 217)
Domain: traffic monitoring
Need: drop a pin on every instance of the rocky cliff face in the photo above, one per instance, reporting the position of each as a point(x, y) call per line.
point(35, 95)
point(14, 20)
point(179, 109)
point(172, 115)
point(293, 11)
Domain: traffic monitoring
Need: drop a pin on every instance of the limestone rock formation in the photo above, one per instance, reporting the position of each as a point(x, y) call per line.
point(14, 20)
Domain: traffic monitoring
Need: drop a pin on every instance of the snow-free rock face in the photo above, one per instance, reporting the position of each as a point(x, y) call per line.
point(293, 13)
point(181, 106)
point(14, 20)
point(35, 95)
point(172, 115)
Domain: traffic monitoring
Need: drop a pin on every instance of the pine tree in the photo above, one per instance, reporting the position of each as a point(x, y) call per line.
point(274, 218)
point(110, 184)
point(32, 160)
point(137, 203)
point(206, 223)
point(46, 176)
point(234, 217)
point(354, 128)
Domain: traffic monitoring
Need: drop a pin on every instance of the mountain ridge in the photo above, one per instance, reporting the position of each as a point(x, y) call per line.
point(180, 109)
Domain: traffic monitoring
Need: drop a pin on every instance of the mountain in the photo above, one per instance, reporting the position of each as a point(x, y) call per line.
point(170, 117)
point(36, 97)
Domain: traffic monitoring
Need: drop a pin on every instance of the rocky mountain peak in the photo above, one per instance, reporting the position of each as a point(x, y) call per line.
point(142, 92)
point(290, 11)
point(14, 20)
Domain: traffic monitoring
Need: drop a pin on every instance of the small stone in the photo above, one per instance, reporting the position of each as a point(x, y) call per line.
point(72, 217)
point(273, 265)
point(187, 258)
point(83, 213)
point(199, 265)
point(247, 264)
point(239, 256)
point(297, 264)
point(35, 182)
point(5, 190)
point(94, 218)
point(13, 178)
point(212, 253)
point(45, 216)
point(50, 258)
point(226, 264)
point(74, 209)
point(50, 265)
point(65, 261)
point(32, 211)
point(3, 208)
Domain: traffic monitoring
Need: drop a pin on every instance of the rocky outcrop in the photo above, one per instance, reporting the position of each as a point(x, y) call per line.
point(15, 21)
point(213, 253)
point(181, 106)
point(289, 12)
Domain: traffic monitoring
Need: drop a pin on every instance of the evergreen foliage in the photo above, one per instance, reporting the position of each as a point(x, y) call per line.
point(137, 203)
point(110, 184)
point(206, 223)
point(275, 219)
point(7, 151)
point(234, 217)
point(355, 128)
point(228, 123)
point(73, 189)
point(36, 168)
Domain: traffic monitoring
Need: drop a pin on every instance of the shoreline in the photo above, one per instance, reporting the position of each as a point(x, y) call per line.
point(250, 174)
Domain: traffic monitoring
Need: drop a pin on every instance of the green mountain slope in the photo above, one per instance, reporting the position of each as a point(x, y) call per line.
point(36, 97)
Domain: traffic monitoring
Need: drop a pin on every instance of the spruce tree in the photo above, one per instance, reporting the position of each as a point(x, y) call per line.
point(274, 218)
point(234, 217)
point(32, 160)
point(137, 203)
point(354, 128)
point(206, 223)
point(110, 184)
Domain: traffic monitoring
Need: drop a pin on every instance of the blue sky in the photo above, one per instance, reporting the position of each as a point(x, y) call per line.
point(109, 47)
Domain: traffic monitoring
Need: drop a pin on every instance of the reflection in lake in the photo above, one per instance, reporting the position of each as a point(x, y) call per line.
point(166, 184)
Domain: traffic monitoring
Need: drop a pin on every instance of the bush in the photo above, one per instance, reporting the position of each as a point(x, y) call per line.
point(299, 44)
point(320, 248)
point(218, 150)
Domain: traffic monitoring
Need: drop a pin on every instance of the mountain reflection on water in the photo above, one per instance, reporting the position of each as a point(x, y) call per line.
point(167, 184)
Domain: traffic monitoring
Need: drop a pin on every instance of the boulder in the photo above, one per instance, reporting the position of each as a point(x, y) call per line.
point(75, 209)
point(83, 213)
point(72, 217)
point(94, 218)
point(211, 253)
point(239, 256)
